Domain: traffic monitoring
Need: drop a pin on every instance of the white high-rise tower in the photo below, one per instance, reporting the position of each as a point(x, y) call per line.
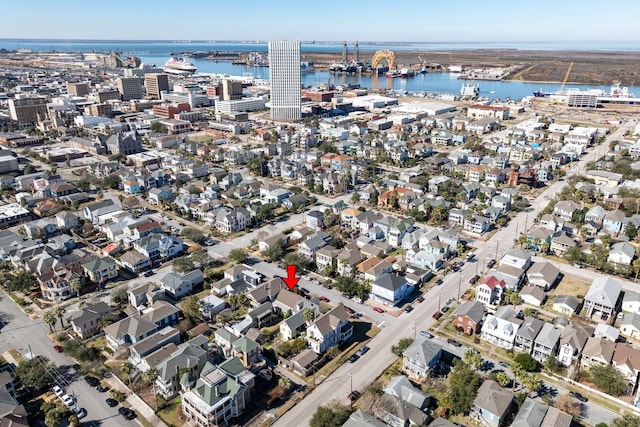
point(284, 77)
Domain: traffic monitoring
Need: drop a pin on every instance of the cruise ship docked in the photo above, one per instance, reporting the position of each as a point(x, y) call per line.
point(178, 65)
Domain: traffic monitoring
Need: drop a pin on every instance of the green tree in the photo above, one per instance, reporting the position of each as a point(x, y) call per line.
point(331, 415)
point(608, 379)
point(472, 358)
point(401, 346)
point(127, 369)
point(111, 181)
point(193, 234)
point(183, 264)
point(119, 296)
point(502, 379)
point(35, 373)
point(54, 416)
point(238, 255)
point(532, 382)
point(511, 297)
point(309, 315)
point(552, 365)
point(527, 362)
point(158, 127)
point(50, 318)
point(290, 348)
point(463, 385)
point(297, 259)
point(284, 382)
point(630, 230)
point(628, 420)
point(150, 377)
point(191, 307)
point(83, 184)
point(274, 252)
point(76, 285)
point(59, 311)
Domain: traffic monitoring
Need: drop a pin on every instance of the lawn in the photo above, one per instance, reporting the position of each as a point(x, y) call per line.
point(171, 414)
point(570, 285)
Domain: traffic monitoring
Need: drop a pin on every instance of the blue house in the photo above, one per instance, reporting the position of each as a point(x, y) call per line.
point(492, 404)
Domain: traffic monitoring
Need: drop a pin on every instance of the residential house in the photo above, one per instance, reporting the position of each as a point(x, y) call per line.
point(246, 350)
point(630, 325)
point(232, 220)
point(603, 297)
point(543, 274)
point(186, 362)
point(178, 285)
point(546, 343)
point(128, 330)
point(399, 386)
point(151, 350)
point(621, 253)
point(134, 261)
point(220, 394)
point(329, 330)
point(314, 220)
point(492, 404)
point(532, 295)
point(391, 289)
point(526, 335)
point(396, 412)
point(517, 258)
point(500, 328)
point(362, 419)
point(421, 358)
point(326, 258)
point(304, 364)
point(566, 304)
point(572, 340)
point(565, 209)
point(626, 359)
point(490, 291)
point(631, 302)
point(595, 214)
point(160, 195)
point(613, 221)
point(468, 317)
point(562, 243)
point(86, 322)
point(597, 350)
point(66, 220)
point(537, 414)
point(314, 242)
point(224, 339)
point(144, 295)
point(100, 270)
point(293, 326)
point(158, 246)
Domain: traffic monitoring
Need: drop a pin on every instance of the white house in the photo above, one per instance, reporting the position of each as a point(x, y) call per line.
point(329, 330)
point(500, 329)
point(391, 289)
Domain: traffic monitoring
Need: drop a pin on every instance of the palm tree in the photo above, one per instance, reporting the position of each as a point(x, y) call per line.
point(150, 376)
point(532, 382)
point(233, 301)
point(59, 311)
point(518, 372)
point(309, 315)
point(127, 368)
point(50, 319)
point(473, 358)
point(502, 379)
point(242, 299)
point(103, 322)
point(76, 285)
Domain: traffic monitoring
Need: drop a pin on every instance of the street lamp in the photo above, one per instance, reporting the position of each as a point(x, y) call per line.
point(460, 283)
point(350, 391)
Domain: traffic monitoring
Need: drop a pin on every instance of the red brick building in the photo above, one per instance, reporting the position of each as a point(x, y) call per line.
point(468, 317)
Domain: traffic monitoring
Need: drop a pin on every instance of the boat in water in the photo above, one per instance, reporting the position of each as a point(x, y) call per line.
point(178, 65)
point(541, 94)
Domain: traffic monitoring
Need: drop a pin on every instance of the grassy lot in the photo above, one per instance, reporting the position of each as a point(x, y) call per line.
point(570, 285)
point(171, 413)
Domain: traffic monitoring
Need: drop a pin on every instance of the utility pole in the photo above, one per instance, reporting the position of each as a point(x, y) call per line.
point(351, 391)
point(459, 284)
point(497, 244)
point(439, 300)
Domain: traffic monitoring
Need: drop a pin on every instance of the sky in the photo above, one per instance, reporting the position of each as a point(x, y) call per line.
point(325, 20)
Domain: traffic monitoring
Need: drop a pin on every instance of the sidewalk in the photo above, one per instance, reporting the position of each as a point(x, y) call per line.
point(136, 403)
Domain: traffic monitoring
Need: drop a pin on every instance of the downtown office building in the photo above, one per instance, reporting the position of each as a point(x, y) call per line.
point(284, 77)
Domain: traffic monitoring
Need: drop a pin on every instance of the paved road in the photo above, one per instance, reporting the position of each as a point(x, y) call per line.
point(24, 334)
point(372, 364)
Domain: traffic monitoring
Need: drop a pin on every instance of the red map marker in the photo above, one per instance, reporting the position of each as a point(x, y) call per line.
point(291, 280)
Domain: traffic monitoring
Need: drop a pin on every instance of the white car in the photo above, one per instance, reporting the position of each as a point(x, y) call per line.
point(67, 400)
point(57, 390)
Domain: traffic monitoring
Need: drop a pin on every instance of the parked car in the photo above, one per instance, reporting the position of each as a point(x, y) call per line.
point(92, 381)
point(438, 282)
point(304, 291)
point(408, 308)
point(503, 364)
point(57, 390)
point(79, 412)
point(445, 309)
point(362, 350)
point(111, 402)
point(378, 310)
point(420, 298)
point(426, 334)
point(67, 400)
point(454, 342)
point(578, 396)
point(437, 315)
point(57, 348)
point(102, 388)
point(474, 279)
point(148, 273)
point(491, 263)
point(354, 395)
point(349, 310)
point(353, 358)
point(324, 299)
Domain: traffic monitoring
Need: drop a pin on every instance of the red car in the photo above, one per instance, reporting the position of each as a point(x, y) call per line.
point(437, 315)
point(420, 298)
point(325, 299)
point(378, 310)
point(57, 348)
